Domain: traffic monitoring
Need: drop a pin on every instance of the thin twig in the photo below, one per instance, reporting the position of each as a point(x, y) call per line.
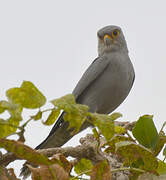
point(27, 122)
point(128, 169)
point(129, 135)
point(46, 110)
point(88, 171)
point(163, 126)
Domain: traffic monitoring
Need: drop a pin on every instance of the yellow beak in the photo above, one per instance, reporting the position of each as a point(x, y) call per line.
point(107, 40)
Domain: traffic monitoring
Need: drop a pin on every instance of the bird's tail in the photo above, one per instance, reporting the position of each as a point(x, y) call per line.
point(58, 136)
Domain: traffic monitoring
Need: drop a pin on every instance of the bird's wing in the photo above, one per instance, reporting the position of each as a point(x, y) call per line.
point(92, 73)
point(94, 70)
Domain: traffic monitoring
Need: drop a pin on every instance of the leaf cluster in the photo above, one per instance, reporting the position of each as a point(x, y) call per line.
point(136, 149)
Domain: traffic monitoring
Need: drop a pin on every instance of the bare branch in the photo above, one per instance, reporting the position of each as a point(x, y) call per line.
point(88, 150)
point(7, 158)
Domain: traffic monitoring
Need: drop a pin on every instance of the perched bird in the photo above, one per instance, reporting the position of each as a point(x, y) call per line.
point(103, 86)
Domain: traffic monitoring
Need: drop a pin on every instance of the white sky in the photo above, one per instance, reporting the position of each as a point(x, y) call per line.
point(51, 43)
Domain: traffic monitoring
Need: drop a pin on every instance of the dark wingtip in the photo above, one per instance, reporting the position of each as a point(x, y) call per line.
point(25, 172)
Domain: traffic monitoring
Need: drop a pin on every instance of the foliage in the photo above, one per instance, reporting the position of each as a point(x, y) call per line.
point(137, 151)
point(145, 132)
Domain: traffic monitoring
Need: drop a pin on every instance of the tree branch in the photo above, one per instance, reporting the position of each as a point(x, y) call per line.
point(7, 158)
point(88, 150)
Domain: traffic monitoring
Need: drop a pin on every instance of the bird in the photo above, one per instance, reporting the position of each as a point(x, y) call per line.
point(103, 86)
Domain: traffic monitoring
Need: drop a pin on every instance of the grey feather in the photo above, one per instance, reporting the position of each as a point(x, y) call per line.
point(95, 69)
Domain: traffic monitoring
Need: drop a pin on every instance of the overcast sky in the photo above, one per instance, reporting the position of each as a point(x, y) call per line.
point(51, 43)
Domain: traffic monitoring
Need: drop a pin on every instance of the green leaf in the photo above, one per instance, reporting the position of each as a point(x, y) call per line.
point(164, 151)
point(104, 123)
point(115, 116)
point(114, 140)
point(14, 110)
point(145, 132)
point(160, 144)
point(52, 117)
point(15, 95)
point(161, 167)
point(82, 166)
point(13, 124)
point(3, 105)
point(76, 114)
point(64, 102)
point(101, 171)
point(24, 152)
point(136, 156)
point(28, 96)
point(5, 128)
point(120, 130)
point(95, 133)
point(149, 176)
point(37, 116)
point(10, 125)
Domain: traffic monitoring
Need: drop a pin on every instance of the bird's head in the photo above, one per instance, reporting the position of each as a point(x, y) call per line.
point(111, 38)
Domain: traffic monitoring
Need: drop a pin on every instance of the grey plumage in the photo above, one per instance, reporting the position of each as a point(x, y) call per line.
point(103, 87)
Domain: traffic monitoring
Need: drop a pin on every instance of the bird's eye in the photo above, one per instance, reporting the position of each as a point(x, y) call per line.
point(115, 33)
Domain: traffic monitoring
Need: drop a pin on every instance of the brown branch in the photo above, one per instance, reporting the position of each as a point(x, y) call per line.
point(129, 126)
point(7, 159)
point(88, 150)
point(6, 174)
